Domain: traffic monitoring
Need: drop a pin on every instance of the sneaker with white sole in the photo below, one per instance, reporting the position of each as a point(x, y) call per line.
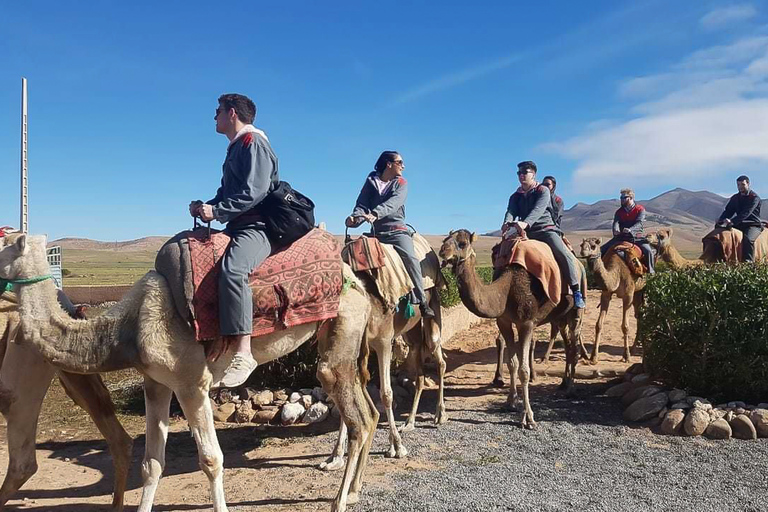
point(238, 371)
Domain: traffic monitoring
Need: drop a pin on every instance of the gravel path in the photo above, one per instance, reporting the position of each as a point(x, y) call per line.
point(580, 457)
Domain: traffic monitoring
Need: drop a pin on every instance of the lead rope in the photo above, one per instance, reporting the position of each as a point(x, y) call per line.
point(6, 285)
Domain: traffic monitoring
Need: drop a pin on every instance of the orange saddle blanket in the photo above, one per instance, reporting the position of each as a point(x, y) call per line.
point(295, 285)
point(535, 257)
point(633, 257)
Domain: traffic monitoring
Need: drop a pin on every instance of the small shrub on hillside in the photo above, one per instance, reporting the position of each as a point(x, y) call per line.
point(449, 296)
point(706, 329)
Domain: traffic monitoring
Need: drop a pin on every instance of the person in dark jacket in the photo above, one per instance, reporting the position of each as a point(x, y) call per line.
point(629, 226)
point(382, 203)
point(530, 210)
point(249, 170)
point(557, 202)
point(743, 213)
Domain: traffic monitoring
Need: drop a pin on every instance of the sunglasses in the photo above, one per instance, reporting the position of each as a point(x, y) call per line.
point(398, 162)
point(522, 173)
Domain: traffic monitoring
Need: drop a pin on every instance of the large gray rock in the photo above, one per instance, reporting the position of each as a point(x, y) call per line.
point(306, 401)
point(641, 379)
point(316, 413)
point(646, 408)
point(680, 405)
point(677, 395)
point(264, 397)
point(636, 368)
point(295, 397)
point(291, 413)
point(641, 392)
point(696, 422)
point(673, 422)
point(759, 419)
point(619, 389)
point(743, 428)
point(224, 412)
point(702, 404)
point(718, 429)
point(319, 394)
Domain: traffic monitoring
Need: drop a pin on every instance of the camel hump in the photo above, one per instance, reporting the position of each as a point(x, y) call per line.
point(174, 263)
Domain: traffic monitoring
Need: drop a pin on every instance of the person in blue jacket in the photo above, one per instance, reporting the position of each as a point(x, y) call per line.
point(382, 203)
point(249, 170)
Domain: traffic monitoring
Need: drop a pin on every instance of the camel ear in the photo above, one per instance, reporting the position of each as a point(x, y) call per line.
point(473, 238)
point(599, 241)
point(21, 244)
point(669, 231)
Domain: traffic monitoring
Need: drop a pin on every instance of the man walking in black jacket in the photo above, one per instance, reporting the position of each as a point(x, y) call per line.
point(743, 213)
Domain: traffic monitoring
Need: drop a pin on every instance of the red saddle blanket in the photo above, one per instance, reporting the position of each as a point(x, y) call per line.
point(535, 257)
point(295, 285)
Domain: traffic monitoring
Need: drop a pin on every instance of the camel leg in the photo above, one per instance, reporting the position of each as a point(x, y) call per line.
point(196, 405)
point(552, 337)
point(416, 350)
point(569, 334)
point(342, 374)
point(24, 380)
point(525, 331)
point(498, 379)
point(384, 356)
point(157, 398)
point(432, 337)
point(605, 302)
point(336, 459)
point(90, 393)
point(626, 304)
point(506, 331)
point(637, 302)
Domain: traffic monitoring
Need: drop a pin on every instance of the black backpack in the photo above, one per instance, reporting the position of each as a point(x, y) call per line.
point(288, 215)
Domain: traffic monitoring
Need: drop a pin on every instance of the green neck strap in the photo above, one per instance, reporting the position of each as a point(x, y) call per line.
point(6, 285)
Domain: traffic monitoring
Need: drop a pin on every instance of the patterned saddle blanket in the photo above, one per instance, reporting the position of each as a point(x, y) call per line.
point(535, 257)
point(298, 284)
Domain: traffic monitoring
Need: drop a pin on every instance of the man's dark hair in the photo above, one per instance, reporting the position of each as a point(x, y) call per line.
point(384, 159)
point(527, 165)
point(552, 179)
point(245, 108)
point(743, 177)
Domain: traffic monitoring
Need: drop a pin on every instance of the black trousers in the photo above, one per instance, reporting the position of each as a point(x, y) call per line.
point(748, 241)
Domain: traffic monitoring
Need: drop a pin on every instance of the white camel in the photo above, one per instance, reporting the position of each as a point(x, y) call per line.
point(145, 331)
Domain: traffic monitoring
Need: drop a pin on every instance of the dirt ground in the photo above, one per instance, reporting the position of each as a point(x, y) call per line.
point(271, 468)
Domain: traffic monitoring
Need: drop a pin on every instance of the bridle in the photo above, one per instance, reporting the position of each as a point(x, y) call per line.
point(6, 285)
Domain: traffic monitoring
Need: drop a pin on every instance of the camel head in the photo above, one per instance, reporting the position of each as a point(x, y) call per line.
point(457, 247)
point(22, 256)
point(661, 238)
point(590, 247)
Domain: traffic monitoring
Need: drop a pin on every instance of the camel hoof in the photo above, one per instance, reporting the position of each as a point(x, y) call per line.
point(332, 464)
point(401, 453)
point(408, 427)
point(338, 506)
point(441, 418)
point(529, 425)
point(353, 497)
point(498, 382)
point(512, 404)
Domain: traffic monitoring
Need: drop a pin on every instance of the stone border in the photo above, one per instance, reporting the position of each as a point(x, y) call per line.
point(675, 413)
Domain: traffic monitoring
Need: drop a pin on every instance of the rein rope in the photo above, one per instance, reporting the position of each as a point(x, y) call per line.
point(6, 285)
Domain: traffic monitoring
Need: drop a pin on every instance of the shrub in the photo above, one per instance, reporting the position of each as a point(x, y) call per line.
point(449, 296)
point(706, 329)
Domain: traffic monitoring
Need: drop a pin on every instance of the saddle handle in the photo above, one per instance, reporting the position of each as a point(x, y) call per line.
point(196, 225)
point(348, 237)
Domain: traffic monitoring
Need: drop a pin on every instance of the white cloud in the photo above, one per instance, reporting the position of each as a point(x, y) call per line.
point(707, 114)
point(719, 18)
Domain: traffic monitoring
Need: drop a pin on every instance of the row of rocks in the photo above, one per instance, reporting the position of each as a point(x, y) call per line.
point(674, 412)
point(282, 406)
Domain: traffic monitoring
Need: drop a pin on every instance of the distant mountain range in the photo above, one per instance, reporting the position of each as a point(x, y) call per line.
point(681, 208)
point(691, 212)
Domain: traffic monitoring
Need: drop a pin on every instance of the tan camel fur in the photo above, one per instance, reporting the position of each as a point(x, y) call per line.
point(24, 380)
point(614, 277)
point(661, 240)
point(380, 332)
point(514, 298)
point(144, 331)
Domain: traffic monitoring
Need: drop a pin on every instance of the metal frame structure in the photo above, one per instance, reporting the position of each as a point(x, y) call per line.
point(24, 221)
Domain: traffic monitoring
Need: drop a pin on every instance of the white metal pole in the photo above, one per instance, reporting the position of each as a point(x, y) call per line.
point(24, 191)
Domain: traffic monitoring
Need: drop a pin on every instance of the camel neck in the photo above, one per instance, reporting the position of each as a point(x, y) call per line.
point(484, 300)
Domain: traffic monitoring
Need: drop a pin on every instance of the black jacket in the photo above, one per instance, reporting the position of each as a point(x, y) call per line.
point(743, 210)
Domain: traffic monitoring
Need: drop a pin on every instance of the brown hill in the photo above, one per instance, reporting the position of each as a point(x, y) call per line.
point(147, 243)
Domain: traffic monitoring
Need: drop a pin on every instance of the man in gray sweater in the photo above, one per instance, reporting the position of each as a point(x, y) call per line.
point(248, 173)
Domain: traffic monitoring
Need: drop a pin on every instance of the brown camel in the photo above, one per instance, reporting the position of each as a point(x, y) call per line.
point(614, 277)
point(516, 298)
point(661, 240)
point(145, 331)
point(724, 244)
point(24, 380)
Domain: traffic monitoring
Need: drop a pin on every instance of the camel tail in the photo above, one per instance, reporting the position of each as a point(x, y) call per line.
point(362, 361)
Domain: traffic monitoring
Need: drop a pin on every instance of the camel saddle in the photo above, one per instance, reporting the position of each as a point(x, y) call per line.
point(392, 280)
point(363, 253)
point(535, 257)
point(632, 256)
point(297, 284)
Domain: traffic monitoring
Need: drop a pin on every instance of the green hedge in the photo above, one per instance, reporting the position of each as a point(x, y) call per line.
point(449, 296)
point(706, 330)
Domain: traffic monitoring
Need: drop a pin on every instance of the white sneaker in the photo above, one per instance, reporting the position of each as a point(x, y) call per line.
point(238, 371)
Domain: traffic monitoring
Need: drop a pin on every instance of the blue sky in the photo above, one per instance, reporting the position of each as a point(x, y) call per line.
point(601, 94)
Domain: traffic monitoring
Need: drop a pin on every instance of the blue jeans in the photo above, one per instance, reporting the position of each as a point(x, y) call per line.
point(564, 258)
